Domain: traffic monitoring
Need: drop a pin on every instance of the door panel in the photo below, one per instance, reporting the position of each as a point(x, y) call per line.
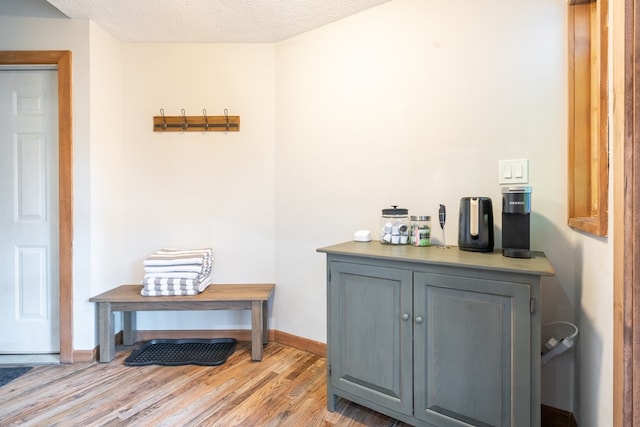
point(371, 344)
point(29, 216)
point(30, 170)
point(471, 348)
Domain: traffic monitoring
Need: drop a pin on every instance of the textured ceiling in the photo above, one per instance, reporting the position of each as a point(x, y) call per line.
point(210, 21)
point(29, 8)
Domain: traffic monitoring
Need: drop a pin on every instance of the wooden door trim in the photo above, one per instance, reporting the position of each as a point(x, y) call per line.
point(62, 59)
point(626, 294)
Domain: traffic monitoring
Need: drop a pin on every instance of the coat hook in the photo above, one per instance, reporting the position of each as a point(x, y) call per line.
point(164, 119)
point(206, 119)
point(184, 120)
point(226, 117)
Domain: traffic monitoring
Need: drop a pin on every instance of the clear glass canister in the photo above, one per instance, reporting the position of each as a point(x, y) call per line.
point(421, 230)
point(395, 226)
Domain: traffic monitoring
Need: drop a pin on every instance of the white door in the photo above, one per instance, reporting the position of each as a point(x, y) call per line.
point(29, 266)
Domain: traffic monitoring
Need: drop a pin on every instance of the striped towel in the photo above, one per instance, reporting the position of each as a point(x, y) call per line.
point(168, 256)
point(171, 259)
point(170, 281)
point(162, 270)
point(146, 293)
point(167, 290)
point(177, 272)
point(168, 260)
point(164, 284)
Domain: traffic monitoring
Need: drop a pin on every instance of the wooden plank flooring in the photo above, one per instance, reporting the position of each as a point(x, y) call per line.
point(288, 388)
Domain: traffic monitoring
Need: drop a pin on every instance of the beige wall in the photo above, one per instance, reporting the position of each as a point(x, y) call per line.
point(106, 168)
point(414, 103)
point(200, 189)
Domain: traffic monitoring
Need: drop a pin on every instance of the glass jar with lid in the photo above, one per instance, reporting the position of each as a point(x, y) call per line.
point(420, 230)
point(395, 226)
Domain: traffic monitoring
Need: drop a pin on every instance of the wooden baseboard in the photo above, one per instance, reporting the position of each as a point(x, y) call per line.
point(84, 356)
point(553, 417)
point(300, 343)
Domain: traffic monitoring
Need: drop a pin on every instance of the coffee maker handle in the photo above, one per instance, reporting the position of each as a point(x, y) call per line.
point(473, 217)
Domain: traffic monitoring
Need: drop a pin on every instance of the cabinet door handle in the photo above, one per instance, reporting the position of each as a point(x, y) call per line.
point(405, 316)
point(419, 319)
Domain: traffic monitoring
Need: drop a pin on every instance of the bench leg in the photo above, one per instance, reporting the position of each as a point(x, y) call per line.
point(265, 323)
point(129, 325)
point(256, 330)
point(105, 332)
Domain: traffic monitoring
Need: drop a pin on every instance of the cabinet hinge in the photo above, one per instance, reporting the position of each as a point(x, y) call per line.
point(329, 370)
point(329, 276)
point(532, 305)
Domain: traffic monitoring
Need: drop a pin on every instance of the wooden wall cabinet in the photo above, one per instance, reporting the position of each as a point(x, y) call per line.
point(434, 337)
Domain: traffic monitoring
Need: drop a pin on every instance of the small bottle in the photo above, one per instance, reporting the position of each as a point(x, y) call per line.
point(421, 230)
point(395, 226)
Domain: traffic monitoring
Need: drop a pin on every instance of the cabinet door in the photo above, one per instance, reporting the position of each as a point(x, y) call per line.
point(472, 351)
point(370, 334)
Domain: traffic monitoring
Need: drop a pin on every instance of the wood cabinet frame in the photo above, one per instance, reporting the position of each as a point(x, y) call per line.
point(588, 116)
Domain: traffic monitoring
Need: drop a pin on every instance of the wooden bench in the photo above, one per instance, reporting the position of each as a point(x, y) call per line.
point(127, 299)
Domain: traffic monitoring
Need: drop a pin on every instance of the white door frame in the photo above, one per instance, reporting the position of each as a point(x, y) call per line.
point(61, 59)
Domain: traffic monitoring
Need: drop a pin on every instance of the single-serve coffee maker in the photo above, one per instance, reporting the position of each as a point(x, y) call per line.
point(516, 213)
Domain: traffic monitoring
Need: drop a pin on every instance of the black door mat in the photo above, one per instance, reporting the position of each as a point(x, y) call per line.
point(206, 352)
point(10, 374)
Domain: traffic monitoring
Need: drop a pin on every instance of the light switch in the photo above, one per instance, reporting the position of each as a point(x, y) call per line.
point(515, 171)
point(506, 173)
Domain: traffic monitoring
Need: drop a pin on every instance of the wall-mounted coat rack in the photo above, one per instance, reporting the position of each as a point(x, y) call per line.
point(201, 123)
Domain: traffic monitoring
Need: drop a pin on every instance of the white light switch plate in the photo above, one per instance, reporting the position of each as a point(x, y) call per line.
point(515, 171)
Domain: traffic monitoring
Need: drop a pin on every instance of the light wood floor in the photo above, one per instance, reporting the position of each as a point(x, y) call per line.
point(287, 388)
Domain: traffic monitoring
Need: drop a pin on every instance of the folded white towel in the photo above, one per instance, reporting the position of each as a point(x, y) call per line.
point(176, 270)
point(171, 258)
point(167, 257)
point(169, 268)
point(173, 275)
point(184, 251)
point(168, 252)
point(175, 260)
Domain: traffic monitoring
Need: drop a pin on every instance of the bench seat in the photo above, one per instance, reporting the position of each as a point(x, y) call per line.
point(127, 299)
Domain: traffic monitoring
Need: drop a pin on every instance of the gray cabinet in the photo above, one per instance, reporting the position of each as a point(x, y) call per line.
point(434, 337)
